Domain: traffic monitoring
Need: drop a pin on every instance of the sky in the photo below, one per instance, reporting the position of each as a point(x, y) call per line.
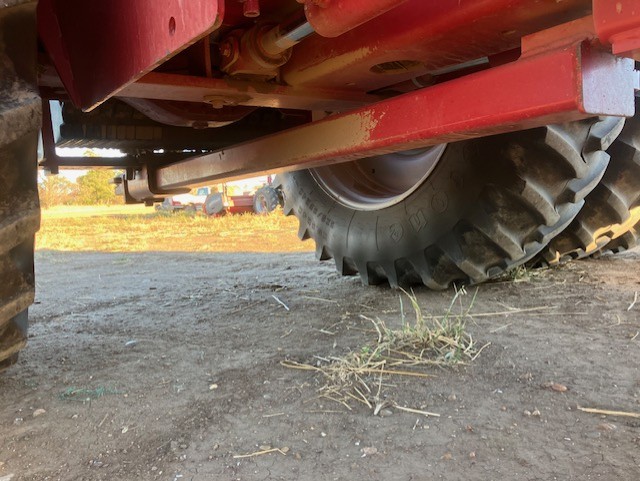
point(73, 174)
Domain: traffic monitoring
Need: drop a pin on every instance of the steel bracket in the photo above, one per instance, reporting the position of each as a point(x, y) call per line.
point(618, 24)
point(100, 46)
point(144, 188)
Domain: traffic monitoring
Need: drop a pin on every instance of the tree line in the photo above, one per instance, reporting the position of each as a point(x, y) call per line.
point(93, 188)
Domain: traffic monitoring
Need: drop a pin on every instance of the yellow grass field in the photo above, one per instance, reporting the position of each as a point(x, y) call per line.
point(136, 228)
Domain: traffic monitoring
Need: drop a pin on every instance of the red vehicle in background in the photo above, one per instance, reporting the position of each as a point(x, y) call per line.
point(256, 195)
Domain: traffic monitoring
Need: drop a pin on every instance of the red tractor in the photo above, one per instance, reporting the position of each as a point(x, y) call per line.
point(417, 141)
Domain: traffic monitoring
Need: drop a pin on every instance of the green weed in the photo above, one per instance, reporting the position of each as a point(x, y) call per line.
point(86, 395)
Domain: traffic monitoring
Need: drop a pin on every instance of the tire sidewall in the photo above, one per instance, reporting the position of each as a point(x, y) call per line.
point(406, 227)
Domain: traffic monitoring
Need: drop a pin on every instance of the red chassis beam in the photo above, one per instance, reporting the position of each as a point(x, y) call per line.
point(569, 83)
point(331, 18)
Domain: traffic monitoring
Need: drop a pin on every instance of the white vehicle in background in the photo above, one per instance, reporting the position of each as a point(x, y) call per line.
point(250, 195)
point(191, 202)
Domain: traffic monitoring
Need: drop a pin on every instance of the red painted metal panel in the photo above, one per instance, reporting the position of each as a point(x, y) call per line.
point(434, 34)
point(99, 46)
point(567, 84)
point(618, 23)
point(331, 18)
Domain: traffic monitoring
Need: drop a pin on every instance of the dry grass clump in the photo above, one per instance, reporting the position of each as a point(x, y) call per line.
point(523, 273)
point(426, 340)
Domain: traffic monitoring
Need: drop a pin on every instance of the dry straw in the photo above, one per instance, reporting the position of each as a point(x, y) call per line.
point(419, 343)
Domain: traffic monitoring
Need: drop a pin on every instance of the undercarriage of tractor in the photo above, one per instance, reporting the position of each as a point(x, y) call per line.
point(418, 142)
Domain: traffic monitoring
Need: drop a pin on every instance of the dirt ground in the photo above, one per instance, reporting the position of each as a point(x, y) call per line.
point(167, 366)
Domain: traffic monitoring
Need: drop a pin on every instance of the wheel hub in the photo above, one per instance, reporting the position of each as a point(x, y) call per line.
point(378, 182)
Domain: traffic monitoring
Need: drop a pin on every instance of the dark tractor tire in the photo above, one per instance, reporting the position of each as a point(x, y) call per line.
point(20, 120)
point(484, 206)
point(265, 200)
point(611, 211)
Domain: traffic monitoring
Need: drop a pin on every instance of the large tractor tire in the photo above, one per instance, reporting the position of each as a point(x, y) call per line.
point(20, 120)
point(611, 211)
point(457, 213)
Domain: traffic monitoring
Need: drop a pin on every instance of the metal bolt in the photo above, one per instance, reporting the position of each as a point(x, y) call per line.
point(251, 8)
point(225, 49)
point(216, 101)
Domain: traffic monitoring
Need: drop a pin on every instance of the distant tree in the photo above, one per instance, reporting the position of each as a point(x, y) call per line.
point(96, 188)
point(57, 190)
